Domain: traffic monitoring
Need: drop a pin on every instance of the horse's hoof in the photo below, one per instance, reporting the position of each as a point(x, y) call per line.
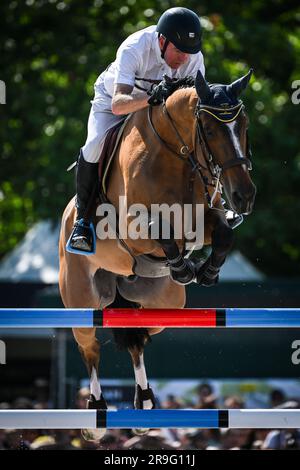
point(140, 432)
point(209, 282)
point(143, 395)
point(93, 435)
point(93, 404)
point(206, 274)
point(185, 274)
point(140, 397)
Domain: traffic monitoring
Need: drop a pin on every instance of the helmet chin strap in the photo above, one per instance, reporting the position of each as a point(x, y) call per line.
point(163, 51)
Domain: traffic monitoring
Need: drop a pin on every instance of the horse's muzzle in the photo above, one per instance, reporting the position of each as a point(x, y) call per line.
point(243, 202)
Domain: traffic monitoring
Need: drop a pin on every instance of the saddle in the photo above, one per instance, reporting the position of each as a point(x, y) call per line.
point(110, 146)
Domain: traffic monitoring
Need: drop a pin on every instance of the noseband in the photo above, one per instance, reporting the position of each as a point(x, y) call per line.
point(225, 115)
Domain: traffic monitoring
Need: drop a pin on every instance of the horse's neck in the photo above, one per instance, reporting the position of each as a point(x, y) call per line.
point(177, 114)
point(144, 169)
point(181, 107)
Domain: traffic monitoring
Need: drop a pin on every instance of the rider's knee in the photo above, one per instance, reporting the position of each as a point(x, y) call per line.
point(91, 151)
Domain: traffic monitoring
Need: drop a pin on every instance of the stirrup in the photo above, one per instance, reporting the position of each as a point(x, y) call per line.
point(78, 251)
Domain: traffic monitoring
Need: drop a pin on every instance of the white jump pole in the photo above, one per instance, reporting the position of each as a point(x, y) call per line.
point(157, 418)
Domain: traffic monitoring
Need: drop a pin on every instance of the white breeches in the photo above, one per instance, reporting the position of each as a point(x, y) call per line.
point(101, 119)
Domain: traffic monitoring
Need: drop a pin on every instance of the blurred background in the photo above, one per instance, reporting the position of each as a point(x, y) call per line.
point(51, 53)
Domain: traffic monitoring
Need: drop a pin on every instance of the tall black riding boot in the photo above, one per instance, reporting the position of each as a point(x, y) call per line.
point(82, 239)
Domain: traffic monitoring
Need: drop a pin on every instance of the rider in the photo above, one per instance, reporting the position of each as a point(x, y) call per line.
point(172, 48)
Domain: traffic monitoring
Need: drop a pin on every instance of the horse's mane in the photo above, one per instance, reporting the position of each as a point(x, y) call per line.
point(181, 88)
point(179, 83)
point(187, 82)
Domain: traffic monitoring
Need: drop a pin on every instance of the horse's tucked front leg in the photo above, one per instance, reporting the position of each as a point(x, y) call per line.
point(181, 270)
point(221, 243)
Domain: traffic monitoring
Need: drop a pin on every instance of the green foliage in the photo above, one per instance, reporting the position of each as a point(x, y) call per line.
point(52, 52)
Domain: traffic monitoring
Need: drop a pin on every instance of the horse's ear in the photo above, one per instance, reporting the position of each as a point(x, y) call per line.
point(202, 88)
point(240, 84)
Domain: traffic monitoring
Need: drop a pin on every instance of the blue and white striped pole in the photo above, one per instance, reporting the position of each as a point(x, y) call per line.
point(153, 419)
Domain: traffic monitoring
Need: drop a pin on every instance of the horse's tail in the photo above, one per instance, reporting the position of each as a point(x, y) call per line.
point(129, 338)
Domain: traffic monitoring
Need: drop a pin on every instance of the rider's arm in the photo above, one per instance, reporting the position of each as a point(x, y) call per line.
point(124, 103)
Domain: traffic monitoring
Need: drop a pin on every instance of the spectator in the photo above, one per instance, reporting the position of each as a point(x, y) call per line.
point(82, 396)
point(41, 393)
point(206, 397)
point(277, 397)
point(236, 438)
point(202, 438)
point(283, 439)
point(172, 403)
point(233, 402)
point(13, 440)
point(152, 441)
point(22, 403)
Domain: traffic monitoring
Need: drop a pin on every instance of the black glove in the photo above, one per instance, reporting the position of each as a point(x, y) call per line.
point(159, 93)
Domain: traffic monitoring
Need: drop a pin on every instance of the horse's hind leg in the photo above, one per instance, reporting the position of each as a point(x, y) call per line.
point(89, 348)
point(78, 290)
point(144, 398)
point(170, 296)
point(150, 293)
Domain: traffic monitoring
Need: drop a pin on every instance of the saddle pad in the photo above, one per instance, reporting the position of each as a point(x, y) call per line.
point(108, 153)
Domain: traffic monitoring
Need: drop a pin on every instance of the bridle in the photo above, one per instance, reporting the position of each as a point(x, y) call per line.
point(222, 114)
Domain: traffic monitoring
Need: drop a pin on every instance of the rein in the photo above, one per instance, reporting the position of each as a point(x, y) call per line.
point(221, 114)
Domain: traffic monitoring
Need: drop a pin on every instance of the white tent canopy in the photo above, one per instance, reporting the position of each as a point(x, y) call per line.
point(35, 259)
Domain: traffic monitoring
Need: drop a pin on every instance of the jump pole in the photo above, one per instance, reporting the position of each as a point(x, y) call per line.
point(143, 318)
point(154, 419)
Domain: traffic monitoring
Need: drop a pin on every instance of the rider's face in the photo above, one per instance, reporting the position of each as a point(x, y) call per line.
point(173, 56)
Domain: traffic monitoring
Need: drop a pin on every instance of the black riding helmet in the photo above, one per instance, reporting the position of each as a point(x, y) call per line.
point(182, 27)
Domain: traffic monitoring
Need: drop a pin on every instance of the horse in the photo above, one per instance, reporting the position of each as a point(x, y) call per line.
point(184, 151)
